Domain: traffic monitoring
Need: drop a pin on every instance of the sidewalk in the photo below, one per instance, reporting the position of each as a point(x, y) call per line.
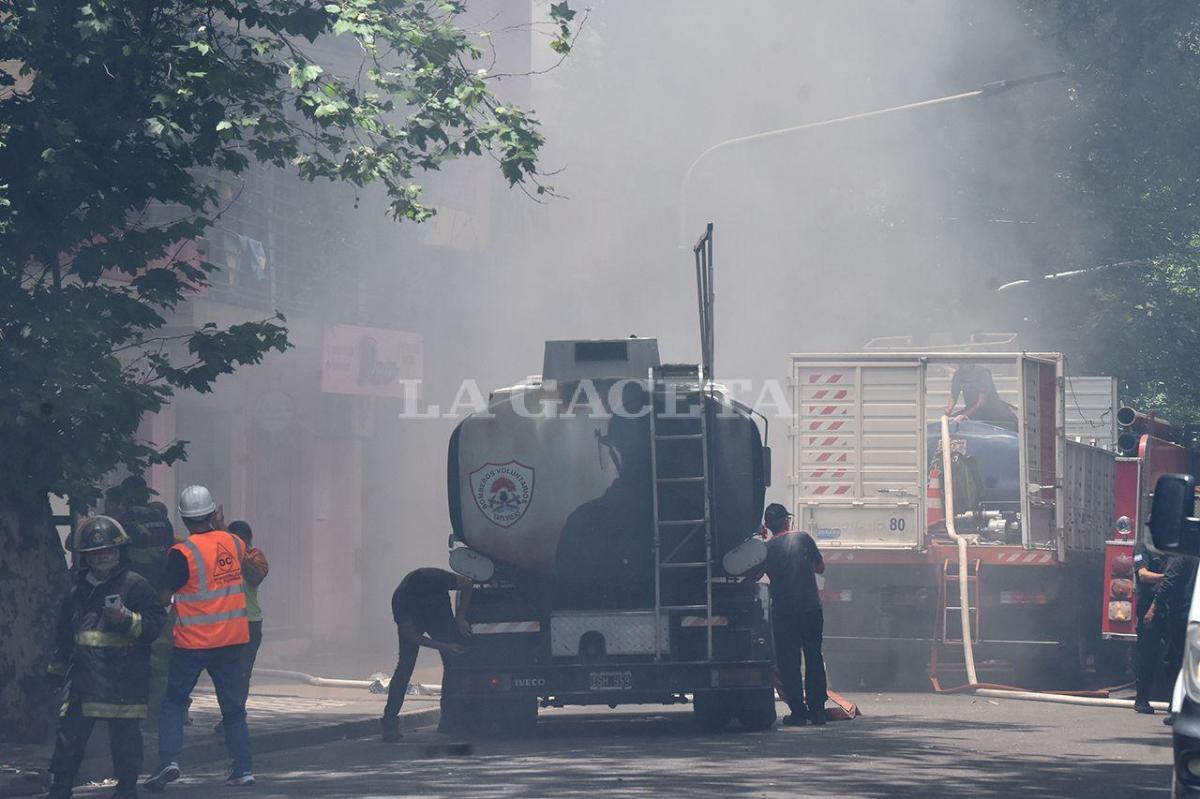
point(282, 714)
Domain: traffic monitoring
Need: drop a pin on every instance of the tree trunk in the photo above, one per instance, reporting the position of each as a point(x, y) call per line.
point(33, 579)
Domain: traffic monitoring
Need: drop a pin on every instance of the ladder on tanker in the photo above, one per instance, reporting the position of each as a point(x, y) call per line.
point(682, 493)
point(952, 591)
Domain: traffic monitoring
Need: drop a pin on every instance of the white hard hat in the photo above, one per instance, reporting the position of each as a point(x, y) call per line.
point(195, 502)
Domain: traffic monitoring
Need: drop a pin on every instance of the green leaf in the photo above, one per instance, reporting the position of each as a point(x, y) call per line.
point(561, 12)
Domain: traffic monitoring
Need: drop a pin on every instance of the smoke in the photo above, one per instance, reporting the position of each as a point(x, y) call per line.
point(898, 225)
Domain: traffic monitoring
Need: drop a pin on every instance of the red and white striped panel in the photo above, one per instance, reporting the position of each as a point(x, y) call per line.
point(828, 378)
point(828, 489)
point(698, 621)
point(874, 557)
point(1027, 558)
point(501, 627)
point(826, 429)
point(830, 440)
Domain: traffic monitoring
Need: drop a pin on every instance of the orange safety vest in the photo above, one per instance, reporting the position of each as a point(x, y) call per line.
point(210, 609)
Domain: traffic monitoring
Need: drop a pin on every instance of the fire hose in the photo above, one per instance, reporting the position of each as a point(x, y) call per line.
point(1094, 698)
point(377, 685)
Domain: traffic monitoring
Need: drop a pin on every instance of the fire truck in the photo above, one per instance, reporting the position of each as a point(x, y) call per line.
point(1147, 448)
point(1034, 494)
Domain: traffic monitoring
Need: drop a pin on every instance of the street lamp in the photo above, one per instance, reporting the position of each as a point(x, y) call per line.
point(1138, 262)
point(986, 90)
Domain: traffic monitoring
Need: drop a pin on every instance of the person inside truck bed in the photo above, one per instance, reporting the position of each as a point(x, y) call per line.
point(981, 401)
point(421, 610)
point(797, 621)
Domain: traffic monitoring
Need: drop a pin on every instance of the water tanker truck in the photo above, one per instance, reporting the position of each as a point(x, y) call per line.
point(608, 510)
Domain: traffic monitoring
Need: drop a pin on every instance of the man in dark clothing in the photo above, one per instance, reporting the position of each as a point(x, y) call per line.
point(421, 610)
point(151, 535)
point(797, 621)
point(146, 523)
point(981, 400)
point(1173, 600)
point(102, 657)
point(1148, 572)
point(254, 571)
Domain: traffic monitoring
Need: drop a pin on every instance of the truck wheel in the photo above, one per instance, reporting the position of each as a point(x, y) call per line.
point(756, 711)
point(455, 717)
point(711, 710)
point(517, 715)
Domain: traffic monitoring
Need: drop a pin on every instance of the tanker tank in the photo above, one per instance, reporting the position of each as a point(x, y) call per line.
point(553, 481)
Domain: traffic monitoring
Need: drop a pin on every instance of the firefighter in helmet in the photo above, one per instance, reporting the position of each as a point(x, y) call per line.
point(101, 660)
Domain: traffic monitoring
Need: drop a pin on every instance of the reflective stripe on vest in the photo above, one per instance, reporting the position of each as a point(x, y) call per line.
point(211, 607)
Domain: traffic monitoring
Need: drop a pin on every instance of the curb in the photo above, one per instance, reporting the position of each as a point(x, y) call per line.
point(101, 768)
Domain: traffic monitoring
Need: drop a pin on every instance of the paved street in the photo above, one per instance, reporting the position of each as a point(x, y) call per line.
point(905, 744)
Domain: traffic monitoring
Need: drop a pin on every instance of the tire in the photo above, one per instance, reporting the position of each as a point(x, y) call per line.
point(756, 710)
point(517, 715)
point(712, 711)
point(455, 719)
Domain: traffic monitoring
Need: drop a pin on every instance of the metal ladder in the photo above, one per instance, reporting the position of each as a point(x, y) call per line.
point(950, 581)
point(675, 434)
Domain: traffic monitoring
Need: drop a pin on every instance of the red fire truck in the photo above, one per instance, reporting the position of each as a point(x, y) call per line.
point(1035, 497)
point(1147, 448)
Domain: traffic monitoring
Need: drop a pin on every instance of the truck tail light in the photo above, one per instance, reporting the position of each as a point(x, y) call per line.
point(482, 683)
point(1122, 566)
point(1121, 589)
point(1121, 611)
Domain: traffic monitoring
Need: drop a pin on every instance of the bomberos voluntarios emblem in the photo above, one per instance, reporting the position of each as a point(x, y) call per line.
point(502, 491)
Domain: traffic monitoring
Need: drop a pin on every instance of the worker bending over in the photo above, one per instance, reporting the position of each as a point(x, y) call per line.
point(421, 610)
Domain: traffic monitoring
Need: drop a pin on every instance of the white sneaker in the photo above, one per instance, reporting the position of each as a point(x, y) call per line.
point(240, 780)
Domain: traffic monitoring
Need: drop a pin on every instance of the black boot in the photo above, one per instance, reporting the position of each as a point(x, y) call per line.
point(59, 788)
point(391, 729)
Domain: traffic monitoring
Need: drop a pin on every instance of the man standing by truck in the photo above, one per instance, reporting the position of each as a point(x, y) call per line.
point(1148, 571)
point(797, 621)
point(1173, 599)
point(421, 610)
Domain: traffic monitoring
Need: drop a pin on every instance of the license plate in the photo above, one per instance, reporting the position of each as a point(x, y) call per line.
point(610, 681)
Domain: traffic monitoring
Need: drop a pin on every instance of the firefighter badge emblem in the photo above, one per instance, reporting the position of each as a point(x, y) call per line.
point(502, 491)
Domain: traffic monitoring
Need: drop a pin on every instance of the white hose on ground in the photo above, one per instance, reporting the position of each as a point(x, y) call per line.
point(325, 682)
point(1095, 701)
point(334, 682)
point(964, 592)
point(964, 596)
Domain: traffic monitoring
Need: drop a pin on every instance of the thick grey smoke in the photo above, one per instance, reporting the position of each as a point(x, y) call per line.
point(894, 226)
point(899, 225)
